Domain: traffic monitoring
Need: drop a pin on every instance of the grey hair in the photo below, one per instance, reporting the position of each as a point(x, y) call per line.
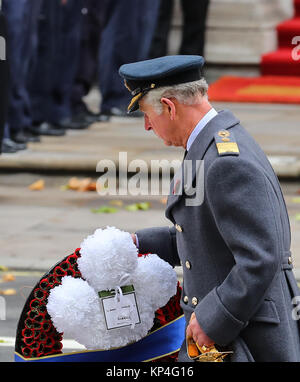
point(189, 93)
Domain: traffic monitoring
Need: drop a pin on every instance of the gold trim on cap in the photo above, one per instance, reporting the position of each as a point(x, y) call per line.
point(126, 85)
point(134, 99)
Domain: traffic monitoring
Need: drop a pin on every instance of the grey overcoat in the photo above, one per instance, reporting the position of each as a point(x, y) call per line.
point(234, 249)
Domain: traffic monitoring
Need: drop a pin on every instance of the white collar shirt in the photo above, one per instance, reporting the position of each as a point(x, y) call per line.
point(200, 126)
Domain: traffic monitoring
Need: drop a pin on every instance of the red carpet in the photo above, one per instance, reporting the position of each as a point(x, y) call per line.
point(280, 81)
point(267, 89)
point(281, 62)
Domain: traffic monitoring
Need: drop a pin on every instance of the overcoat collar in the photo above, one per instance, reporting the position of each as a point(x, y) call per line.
point(223, 121)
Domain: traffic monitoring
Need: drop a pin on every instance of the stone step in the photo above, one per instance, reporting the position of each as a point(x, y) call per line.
point(240, 31)
point(247, 14)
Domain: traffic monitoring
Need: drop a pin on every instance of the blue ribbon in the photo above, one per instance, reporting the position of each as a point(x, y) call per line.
point(161, 342)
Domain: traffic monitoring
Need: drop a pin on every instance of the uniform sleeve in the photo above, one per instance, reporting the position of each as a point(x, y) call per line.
point(159, 240)
point(243, 205)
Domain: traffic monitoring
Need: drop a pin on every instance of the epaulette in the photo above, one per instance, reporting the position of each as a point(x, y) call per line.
point(226, 144)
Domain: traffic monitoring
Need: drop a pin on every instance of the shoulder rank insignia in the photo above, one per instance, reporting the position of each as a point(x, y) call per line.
point(226, 144)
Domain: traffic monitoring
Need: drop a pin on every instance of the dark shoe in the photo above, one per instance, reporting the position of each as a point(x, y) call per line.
point(88, 118)
point(31, 137)
point(92, 116)
point(9, 146)
point(103, 117)
point(20, 146)
point(82, 119)
point(18, 136)
point(24, 136)
point(121, 112)
point(46, 128)
point(115, 112)
point(69, 123)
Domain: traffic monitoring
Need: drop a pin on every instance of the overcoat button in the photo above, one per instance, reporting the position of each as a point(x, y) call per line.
point(185, 299)
point(290, 260)
point(178, 227)
point(188, 264)
point(194, 301)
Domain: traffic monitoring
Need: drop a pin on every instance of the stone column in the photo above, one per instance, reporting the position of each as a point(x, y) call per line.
point(238, 31)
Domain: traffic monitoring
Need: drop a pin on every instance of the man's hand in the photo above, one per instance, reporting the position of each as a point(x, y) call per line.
point(194, 331)
point(133, 238)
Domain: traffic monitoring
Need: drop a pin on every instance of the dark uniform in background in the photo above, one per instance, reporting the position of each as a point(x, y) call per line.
point(92, 24)
point(22, 17)
point(193, 29)
point(128, 31)
point(56, 64)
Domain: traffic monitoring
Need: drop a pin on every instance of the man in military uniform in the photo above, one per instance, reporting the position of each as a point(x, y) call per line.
point(234, 242)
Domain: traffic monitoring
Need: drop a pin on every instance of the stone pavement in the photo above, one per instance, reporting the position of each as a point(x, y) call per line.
point(275, 127)
point(39, 228)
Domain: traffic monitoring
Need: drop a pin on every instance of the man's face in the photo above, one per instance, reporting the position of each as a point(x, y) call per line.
point(161, 124)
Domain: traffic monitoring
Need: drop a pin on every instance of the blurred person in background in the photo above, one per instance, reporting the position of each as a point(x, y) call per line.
point(93, 19)
point(126, 37)
point(193, 28)
point(21, 16)
point(52, 77)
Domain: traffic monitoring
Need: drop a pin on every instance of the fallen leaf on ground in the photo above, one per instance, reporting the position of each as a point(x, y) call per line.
point(73, 184)
point(105, 210)
point(164, 200)
point(84, 185)
point(144, 206)
point(37, 186)
point(92, 186)
point(81, 185)
point(138, 206)
point(117, 203)
point(296, 200)
point(132, 207)
point(8, 277)
point(297, 217)
point(3, 268)
point(8, 292)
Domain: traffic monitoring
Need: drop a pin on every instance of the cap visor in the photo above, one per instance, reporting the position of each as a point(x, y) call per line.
point(134, 107)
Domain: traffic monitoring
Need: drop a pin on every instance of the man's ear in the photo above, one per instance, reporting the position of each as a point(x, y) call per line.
point(170, 106)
